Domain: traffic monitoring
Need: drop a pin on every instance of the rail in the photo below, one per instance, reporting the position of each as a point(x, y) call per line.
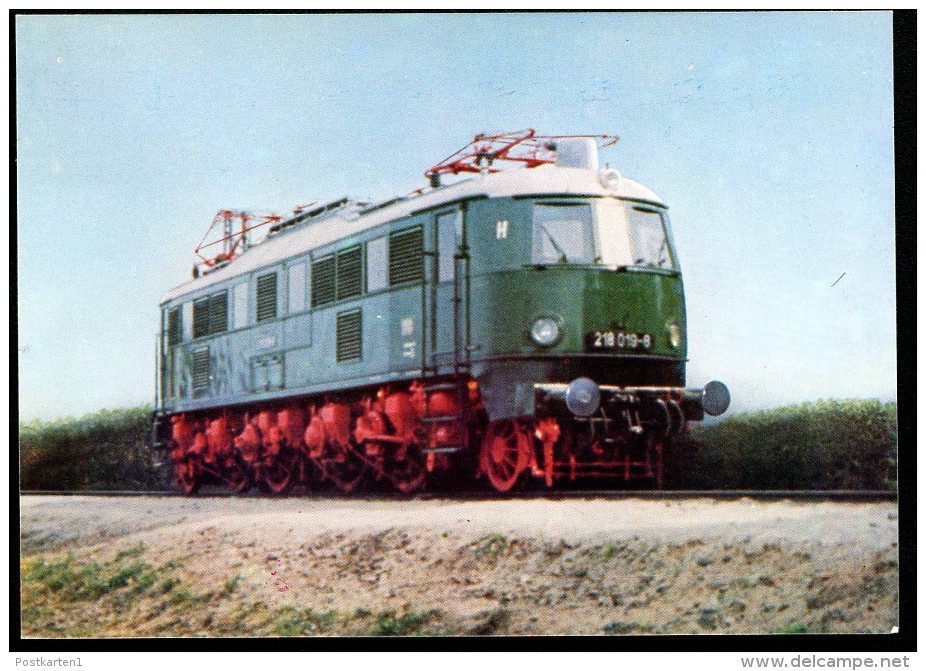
point(841, 495)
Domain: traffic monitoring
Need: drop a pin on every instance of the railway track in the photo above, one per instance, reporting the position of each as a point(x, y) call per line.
point(578, 494)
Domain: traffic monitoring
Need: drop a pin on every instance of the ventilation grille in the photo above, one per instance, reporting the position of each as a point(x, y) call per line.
point(201, 318)
point(210, 315)
point(218, 313)
point(174, 334)
point(267, 297)
point(350, 272)
point(200, 371)
point(323, 281)
point(405, 256)
point(349, 336)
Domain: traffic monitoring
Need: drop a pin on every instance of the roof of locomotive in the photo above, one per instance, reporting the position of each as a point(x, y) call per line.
point(539, 181)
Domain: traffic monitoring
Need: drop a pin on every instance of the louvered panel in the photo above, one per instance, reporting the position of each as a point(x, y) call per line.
point(405, 256)
point(174, 334)
point(349, 273)
point(349, 336)
point(323, 281)
point(201, 318)
point(200, 371)
point(267, 297)
point(218, 313)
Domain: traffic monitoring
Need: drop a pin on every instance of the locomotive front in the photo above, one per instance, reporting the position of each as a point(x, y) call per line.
point(578, 325)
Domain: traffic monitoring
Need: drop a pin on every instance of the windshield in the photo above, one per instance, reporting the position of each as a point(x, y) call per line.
point(633, 235)
point(563, 233)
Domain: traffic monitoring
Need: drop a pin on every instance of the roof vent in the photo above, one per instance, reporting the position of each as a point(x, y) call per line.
point(577, 152)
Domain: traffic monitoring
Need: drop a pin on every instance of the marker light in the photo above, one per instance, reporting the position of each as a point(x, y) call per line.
point(609, 178)
point(675, 335)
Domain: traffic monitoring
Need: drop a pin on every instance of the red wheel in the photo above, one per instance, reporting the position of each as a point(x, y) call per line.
point(506, 451)
point(188, 474)
point(407, 474)
point(236, 477)
point(279, 474)
point(347, 472)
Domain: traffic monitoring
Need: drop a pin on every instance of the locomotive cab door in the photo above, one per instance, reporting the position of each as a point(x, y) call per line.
point(449, 307)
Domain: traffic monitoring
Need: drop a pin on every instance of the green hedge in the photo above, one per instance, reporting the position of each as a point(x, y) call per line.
point(98, 452)
point(847, 444)
point(822, 445)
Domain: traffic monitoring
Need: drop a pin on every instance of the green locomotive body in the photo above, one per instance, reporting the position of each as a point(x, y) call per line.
point(526, 322)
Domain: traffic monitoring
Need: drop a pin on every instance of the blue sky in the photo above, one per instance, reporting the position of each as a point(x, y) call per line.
point(769, 135)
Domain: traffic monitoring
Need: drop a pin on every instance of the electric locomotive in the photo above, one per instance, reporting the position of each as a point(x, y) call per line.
point(520, 318)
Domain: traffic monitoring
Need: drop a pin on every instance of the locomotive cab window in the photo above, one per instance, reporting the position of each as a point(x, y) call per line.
point(632, 235)
point(563, 233)
point(649, 239)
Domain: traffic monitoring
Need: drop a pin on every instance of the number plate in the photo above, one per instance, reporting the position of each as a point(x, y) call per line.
point(620, 340)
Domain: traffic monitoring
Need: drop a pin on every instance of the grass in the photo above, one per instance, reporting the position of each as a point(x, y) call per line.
point(492, 546)
point(91, 581)
point(408, 624)
point(62, 590)
point(231, 584)
point(306, 622)
point(605, 552)
point(796, 628)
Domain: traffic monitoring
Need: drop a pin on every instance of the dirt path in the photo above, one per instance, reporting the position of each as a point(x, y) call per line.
point(171, 566)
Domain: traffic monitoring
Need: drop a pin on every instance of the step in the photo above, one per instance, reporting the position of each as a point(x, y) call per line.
point(442, 386)
point(442, 418)
point(453, 449)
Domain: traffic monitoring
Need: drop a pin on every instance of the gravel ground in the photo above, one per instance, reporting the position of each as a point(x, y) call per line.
point(301, 566)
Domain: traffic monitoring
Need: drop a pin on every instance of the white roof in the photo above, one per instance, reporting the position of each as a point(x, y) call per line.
point(315, 233)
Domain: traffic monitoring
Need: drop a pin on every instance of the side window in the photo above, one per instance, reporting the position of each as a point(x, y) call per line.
point(447, 243)
point(240, 305)
point(377, 264)
point(323, 281)
point(210, 315)
point(266, 297)
point(296, 287)
point(406, 252)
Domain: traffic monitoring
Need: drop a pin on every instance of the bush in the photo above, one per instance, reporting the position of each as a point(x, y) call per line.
point(102, 451)
point(847, 444)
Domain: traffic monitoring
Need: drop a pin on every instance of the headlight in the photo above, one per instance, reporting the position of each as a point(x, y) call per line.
point(545, 331)
point(675, 335)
